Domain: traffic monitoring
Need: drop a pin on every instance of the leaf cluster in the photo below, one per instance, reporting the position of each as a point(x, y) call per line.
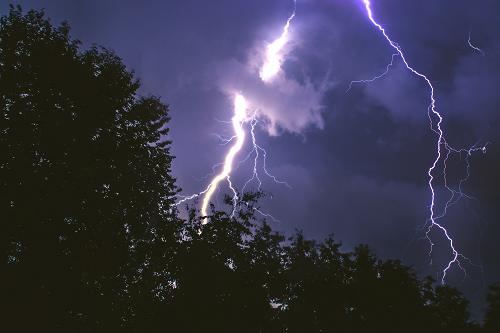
point(86, 189)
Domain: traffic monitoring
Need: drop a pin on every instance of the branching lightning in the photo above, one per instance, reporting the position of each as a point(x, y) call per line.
point(271, 66)
point(443, 152)
point(269, 70)
point(471, 46)
point(240, 106)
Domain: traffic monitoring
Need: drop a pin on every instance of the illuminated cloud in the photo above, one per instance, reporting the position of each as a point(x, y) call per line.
point(284, 103)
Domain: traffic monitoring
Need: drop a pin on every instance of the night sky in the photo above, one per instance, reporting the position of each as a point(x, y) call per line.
point(356, 161)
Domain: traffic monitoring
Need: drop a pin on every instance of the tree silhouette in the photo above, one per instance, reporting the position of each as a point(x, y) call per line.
point(492, 318)
point(86, 185)
point(218, 284)
point(328, 290)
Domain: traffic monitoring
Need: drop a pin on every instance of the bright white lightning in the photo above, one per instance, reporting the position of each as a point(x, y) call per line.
point(442, 145)
point(240, 106)
point(269, 69)
point(272, 65)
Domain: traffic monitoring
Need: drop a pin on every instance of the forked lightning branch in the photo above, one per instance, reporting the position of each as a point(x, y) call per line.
point(272, 65)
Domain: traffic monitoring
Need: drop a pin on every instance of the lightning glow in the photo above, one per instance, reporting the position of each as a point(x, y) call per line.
point(270, 68)
point(273, 61)
point(240, 106)
point(240, 117)
point(443, 152)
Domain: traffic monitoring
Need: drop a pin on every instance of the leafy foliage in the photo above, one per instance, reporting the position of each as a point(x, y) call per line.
point(85, 179)
point(492, 320)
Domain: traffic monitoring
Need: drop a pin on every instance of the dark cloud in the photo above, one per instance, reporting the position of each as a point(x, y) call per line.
point(357, 161)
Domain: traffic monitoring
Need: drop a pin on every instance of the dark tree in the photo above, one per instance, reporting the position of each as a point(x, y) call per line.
point(492, 318)
point(382, 295)
point(449, 309)
point(328, 290)
point(264, 269)
point(219, 287)
point(301, 270)
point(86, 187)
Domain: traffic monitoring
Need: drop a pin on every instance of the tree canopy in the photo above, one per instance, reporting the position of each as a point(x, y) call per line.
point(492, 320)
point(84, 174)
point(91, 237)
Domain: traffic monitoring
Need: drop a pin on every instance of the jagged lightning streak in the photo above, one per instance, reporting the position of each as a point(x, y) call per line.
point(441, 142)
point(272, 65)
point(240, 106)
point(239, 117)
point(471, 46)
point(269, 70)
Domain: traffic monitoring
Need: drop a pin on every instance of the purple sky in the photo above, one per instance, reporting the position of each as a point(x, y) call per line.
point(356, 161)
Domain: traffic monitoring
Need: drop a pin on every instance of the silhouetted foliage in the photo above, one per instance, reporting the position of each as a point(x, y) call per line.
point(86, 185)
point(329, 290)
point(91, 238)
point(492, 318)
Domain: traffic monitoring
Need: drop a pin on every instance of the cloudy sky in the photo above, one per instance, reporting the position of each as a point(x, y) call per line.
point(356, 160)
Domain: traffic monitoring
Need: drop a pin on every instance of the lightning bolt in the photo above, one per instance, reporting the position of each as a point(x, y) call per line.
point(443, 152)
point(269, 70)
point(239, 117)
point(240, 106)
point(272, 65)
point(471, 46)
